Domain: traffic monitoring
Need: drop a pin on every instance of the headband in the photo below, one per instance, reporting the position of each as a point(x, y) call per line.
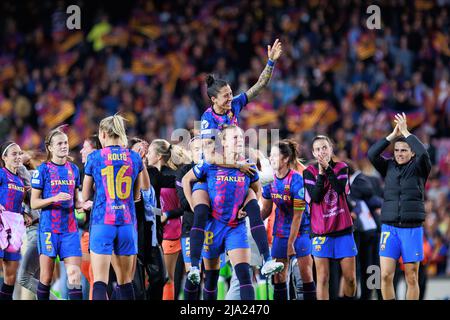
point(6, 149)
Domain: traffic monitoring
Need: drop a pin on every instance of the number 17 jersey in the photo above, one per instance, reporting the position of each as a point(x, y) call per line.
point(114, 170)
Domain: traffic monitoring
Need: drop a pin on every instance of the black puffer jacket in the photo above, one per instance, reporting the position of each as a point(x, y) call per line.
point(404, 191)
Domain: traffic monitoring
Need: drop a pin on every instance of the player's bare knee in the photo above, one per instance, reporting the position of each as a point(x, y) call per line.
point(411, 278)
point(45, 278)
point(323, 277)
point(350, 281)
point(10, 279)
point(279, 277)
point(387, 276)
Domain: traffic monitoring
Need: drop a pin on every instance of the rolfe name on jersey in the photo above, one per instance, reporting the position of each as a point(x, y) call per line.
point(117, 157)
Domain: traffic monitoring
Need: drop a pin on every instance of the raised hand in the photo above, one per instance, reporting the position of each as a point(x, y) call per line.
point(274, 51)
point(394, 134)
point(400, 120)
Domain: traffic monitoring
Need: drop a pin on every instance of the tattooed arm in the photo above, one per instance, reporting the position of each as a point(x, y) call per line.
point(273, 53)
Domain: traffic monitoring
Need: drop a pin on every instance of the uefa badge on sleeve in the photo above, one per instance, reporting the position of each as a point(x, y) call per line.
point(204, 124)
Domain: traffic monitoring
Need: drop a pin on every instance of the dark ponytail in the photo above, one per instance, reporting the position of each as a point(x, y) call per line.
point(290, 149)
point(214, 85)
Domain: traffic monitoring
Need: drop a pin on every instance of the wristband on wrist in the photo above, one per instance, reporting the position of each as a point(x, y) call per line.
point(270, 63)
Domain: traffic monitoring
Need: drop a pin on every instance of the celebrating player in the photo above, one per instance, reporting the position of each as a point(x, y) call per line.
point(292, 226)
point(225, 111)
point(55, 188)
point(116, 172)
point(167, 158)
point(403, 210)
point(226, 108)
point(12, 193)
point(89, 145)
point(227, 188)
point(331, 224)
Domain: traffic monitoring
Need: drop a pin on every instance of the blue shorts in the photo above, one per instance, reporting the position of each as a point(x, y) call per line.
point(10, 256)
point(200, 185)
point(220, 238)
point(66, 244)
point(404, 242)
point(186, 250)
point(302, 246)
point(104, 239)
point(334, 247)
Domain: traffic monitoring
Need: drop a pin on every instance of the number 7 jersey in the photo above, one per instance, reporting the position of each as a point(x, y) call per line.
point(114, 170)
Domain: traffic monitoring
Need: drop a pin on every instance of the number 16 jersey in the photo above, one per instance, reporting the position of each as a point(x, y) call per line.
point(114, 170)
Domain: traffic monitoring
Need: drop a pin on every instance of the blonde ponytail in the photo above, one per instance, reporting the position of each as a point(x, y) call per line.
point(173, 156)
point(114, 126)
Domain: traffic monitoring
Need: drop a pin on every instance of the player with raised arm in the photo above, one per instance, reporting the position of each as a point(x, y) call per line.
point(225, 230)
point(224, 112)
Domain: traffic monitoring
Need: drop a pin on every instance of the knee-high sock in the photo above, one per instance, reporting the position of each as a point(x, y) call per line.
point(309, 291)
point(245, 282)
point(257, 228)
point(190, 290)
point(210, 287)
point(280, 291)
point(43, 292)
point(99, 291)
point(115, 294)
point(197, 233)
point(76, 294)
point(6, 292)
point(126, 291)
